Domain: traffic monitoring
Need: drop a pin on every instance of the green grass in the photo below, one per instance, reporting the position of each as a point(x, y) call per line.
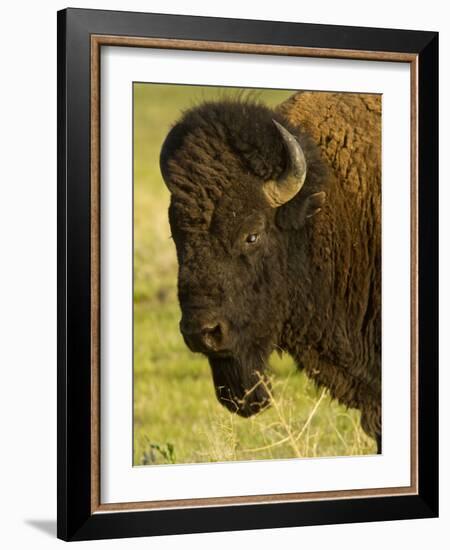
point(177, 418)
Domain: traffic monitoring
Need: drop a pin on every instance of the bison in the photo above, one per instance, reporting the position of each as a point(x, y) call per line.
point(276, 219)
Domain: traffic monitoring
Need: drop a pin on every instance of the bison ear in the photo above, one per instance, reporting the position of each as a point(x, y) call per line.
point(294, 216)
point(313, 204)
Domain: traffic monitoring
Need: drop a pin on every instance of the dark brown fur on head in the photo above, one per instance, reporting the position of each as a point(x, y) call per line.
point(215, 161)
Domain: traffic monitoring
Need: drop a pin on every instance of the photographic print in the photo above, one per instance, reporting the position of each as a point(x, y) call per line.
point(247, 265)
point(257, 274)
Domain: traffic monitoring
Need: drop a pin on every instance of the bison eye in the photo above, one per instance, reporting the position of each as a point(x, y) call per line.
point(252, 238)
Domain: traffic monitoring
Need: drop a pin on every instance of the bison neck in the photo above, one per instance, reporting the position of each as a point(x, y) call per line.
point(333, 329)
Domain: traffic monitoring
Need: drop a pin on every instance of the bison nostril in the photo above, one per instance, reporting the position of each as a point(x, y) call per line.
point(204, 334)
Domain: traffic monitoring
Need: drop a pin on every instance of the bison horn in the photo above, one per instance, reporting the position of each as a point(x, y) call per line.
point(280, 191)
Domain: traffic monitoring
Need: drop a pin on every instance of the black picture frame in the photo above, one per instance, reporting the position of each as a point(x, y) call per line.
point(76, 520)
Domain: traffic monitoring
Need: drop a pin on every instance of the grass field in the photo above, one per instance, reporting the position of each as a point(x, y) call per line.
point(176, 416)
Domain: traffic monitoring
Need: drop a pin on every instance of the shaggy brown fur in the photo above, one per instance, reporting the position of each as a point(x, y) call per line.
point(342, 347)
point(311, 284)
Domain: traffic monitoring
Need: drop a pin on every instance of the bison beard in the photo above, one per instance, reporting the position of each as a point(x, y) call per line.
point(242, 388)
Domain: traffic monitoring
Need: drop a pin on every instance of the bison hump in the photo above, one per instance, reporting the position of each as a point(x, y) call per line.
point(347, 129)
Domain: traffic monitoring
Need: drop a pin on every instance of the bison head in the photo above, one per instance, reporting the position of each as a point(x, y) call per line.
point(230, 168)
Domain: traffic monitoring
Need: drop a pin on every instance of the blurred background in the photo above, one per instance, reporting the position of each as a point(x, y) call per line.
point(177, 418)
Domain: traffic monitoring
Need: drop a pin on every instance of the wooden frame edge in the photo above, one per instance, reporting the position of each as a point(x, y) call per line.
point(95, 273)
point(253, 499)
point(414, 272)
point(235, 47)
point(211, 46)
